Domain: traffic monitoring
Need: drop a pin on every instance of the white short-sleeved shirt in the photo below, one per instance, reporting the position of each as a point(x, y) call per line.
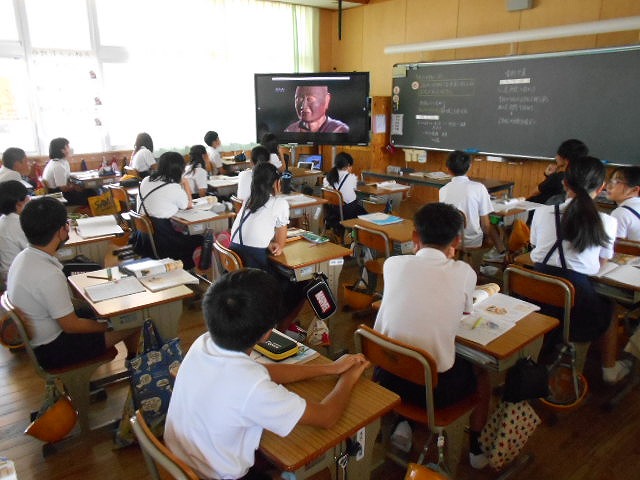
point(56, 172)
point(259, 227)
point(628, 223)
point(274, 160)
point(38, 287)
point(348, 189)
point(7, 174)
point(164, 202)
point(244, 184)
point(425, 296)
point(197, 179)
point(214, 156)
point(543, 237)
point(221, 402)
point(143, 160)
point(12, 242)
point(472, 198)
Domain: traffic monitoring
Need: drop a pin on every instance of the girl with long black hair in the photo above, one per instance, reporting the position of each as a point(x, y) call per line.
point(195, 172)
point(342, 179)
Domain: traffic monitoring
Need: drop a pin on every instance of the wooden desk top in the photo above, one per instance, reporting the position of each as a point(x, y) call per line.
point(303, 172)
point(81, 178)
point(213, 217)
point(491, 184)
point(368, 402)
point(302, 253)
point(527, 330)
point(75, 239)
point(296, 200)
point(374, 189)
point(128, 303)
point(397, 232)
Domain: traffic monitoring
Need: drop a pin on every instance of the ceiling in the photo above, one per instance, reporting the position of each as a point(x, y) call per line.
point(328, 4)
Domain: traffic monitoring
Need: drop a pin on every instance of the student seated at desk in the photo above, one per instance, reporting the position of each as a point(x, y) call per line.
point(38, 287)
point(195, 173)
point(212, 144)
point(142, 159)
point(160, 196)
point(57, 172)
point(13, 198)
point(623, 188)
point(341, 179)
point(259, 155)
point(270, 142)
point(573, 240)
point(425, 296)
point(222, 399)
point(15, 165)
point(472, 199)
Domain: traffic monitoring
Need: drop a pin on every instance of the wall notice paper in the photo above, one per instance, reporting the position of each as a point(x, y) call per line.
point(492, 317)
point(98, 226)
point(115, 289)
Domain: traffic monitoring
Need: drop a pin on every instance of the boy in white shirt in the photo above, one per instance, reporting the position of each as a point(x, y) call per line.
point(212, 143)
point(472, 199)
point(13, 198)
point(223, 400)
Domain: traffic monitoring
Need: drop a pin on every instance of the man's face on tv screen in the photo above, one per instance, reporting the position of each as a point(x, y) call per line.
point(311, 103)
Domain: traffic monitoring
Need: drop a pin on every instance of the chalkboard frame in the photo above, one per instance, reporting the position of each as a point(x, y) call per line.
point(615, 145)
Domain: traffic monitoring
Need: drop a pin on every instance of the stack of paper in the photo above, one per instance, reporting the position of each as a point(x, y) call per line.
point(162, 281)
point(628, 274)
point(437, 175)
point(380, 218)
point(196, 215)
point(392, 185)
point(98, 226)
point(114, 289)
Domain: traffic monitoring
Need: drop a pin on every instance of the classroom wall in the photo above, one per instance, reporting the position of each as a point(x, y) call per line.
point(368, 29)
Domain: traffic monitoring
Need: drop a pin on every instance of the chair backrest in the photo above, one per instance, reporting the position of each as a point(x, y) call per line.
point(156, 453)
point(416, 471)
point(373, 239)
point(237, 203)
point(120, 198)
point(628, 247)
point(229, 259)
point(333, 197)
point(401, 359)
point(541, 288)
point(143, 224)
point(21, 325)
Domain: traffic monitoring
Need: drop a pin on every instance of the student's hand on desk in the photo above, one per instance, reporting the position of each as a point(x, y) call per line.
point(346, 362)
point(275, 248)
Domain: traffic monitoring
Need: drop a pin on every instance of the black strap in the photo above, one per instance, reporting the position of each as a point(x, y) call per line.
point(245, 214)
point(143, 198)
point(632, 211)
point(341, 183)
point(558, 244)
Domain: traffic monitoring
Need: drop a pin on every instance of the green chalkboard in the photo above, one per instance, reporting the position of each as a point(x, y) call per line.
point(522, 106)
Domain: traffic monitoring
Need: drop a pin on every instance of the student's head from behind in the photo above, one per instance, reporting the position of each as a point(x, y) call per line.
point(211, 139)
point(458, 162)
point(343, 161)
point(13, 197)
point(170, 168)
point(241, 307)
point(263, 185)
point(259, 154)
point(624, 183)
point(569, 150)
point(586, 175)
point(270, 142)
point(143, 140)
point(312, 102)
point(438, 225)
point(59, 148)
point(16, 159)
point(197, 154)
point(42, 219)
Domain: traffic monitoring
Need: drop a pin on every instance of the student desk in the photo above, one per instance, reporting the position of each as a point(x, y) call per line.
point(306, 206)
point(91, 179)
point(163, 307)
point(94, 248)
point(303, 176)
point(230, 166)
point(224, 185)
point(203, 219)
point(503, 352)
point(395, 194)
point(400, 234)
point(493, 186)
point(301, 259)
point(308, 450)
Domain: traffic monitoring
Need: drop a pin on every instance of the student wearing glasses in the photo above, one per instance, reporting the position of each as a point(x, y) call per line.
point(623, 188)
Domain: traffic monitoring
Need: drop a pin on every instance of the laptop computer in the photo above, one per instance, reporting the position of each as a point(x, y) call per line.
point(314, 159)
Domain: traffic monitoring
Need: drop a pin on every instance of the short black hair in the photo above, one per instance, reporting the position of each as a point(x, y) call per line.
point(241, 307)
point(11, 192)
point(210, 137)
point(270, 142)
point(12, 155)
point(438, 224)
point(56, 147)
point(572, 149)
point(41, 219)
point(630, 174)
point(170, 168)
point(459, 162)
point(259, 154)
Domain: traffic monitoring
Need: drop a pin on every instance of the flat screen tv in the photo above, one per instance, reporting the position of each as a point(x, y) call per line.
point(314, 108)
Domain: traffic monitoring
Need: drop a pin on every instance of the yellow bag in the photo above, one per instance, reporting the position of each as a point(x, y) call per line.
point(520, 236)
point(103, 204)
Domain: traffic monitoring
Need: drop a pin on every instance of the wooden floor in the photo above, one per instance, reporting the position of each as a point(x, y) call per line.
point(588, 443)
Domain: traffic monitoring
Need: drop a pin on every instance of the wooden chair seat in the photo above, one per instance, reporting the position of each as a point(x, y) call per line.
point(443, 416)
point(229, 259)
point(375, 266)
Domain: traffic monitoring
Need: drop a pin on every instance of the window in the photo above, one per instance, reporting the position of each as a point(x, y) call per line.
point(16, 126)
point(8, 26)
point(58, 24)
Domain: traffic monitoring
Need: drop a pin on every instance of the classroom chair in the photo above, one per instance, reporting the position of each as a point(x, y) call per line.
point(156, 454)
point(120, 198)
point(143, 224)
point(378, 243)
point(75, 378)
point(420, 472)
point(333, 207)
point(418, 366)
point(569, 386)
point(237, 203)
point(229, 259)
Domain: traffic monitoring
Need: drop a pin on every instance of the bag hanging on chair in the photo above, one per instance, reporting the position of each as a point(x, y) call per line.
point(526, 380)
